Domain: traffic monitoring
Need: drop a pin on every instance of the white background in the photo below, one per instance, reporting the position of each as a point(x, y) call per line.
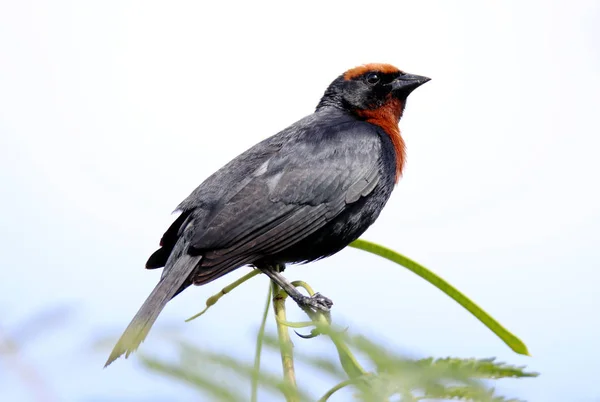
point(112, 112)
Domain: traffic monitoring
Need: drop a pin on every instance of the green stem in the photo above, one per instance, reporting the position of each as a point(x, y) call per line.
point(341, 385)
point(349, 362)
point(509, 339)
point(285, 344)
point(215, 298)
point(259, 343)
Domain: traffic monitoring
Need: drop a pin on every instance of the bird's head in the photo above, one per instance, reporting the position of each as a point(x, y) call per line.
point(370, 87)
point(375, 93)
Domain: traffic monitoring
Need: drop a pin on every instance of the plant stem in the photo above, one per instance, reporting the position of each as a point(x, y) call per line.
point(509, 339)
point(216, 297)
point(285, 344)
point(339, 386)
point(259, 343)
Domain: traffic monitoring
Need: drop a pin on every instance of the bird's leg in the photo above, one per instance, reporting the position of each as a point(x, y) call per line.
point(317, 301)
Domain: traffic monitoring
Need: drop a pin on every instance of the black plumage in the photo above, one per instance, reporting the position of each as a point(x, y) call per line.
point(298, 196)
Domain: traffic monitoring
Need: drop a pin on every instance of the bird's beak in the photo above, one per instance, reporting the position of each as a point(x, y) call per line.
point(406, 83)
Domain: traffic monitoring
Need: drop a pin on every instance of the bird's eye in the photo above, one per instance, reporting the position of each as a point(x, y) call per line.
point(372, 78)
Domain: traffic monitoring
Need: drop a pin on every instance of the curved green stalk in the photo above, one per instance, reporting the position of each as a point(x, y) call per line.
point(341, 385)
point(215, 298)
point(347, 359)
point(349, 363)
point(299, 324)
point(509, 339)
point(305, 286)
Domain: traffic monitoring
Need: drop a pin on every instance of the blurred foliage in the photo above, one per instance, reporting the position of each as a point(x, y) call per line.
point(15, 340)
point(391, 376)
point(395, 377)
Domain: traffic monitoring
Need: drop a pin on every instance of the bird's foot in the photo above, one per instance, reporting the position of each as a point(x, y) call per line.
point(317, 302)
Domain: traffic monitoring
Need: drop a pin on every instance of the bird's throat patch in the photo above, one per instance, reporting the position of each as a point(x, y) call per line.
point(387, 117)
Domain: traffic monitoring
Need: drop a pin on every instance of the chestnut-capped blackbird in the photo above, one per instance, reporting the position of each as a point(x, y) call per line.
point(298, 196)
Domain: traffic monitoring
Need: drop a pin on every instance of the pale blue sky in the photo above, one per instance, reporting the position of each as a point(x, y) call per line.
point(112, 112)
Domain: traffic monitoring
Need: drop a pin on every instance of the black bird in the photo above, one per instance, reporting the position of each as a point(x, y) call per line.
point(298, 196)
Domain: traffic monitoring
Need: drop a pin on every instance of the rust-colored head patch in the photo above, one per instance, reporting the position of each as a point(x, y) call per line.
point(365, 68)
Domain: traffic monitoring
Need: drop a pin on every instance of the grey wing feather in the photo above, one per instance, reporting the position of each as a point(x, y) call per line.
point(292, 193)
point(362, 187)
point(269, 198)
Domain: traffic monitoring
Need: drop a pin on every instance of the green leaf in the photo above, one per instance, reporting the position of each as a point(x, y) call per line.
point(480, 368)
point(198, 381)
point(509, 339)
point(244, 370)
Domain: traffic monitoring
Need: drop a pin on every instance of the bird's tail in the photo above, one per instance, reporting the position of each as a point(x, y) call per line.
point(164, 291)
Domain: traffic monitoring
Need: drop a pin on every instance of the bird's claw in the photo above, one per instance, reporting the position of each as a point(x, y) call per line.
point(313, 306)
point(317, 302)
point(313, 334)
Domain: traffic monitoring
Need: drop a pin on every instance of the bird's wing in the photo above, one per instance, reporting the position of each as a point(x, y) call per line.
point(291, 194)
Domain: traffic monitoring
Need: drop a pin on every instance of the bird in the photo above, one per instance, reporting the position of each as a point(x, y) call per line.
point(298, 196)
